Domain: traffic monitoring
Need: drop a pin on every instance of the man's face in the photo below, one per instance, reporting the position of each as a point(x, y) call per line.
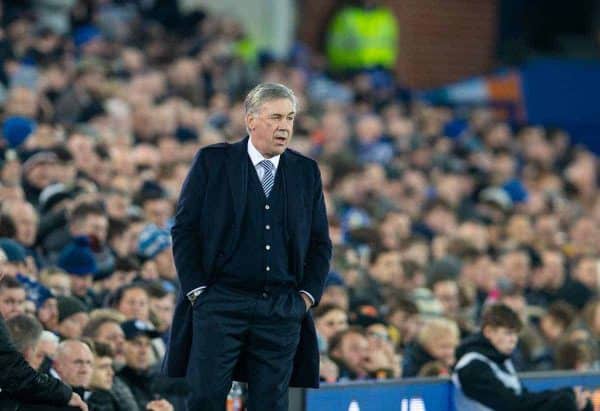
point(163, 310)
point(502, 338)
point(75, 365)
point(331, 323)
point(103, 374)
point(95, 225)
point(26, 222)
point(442, 349)
point(135, 304)
point(80, 284)
point(158, 211)
point(386, 267)
point(271, 128)
point(137, 352)
point(12, 301)
point(446, 292)
point(48, 314)
point(71, 326)
point(353, 352)
point(111, 333)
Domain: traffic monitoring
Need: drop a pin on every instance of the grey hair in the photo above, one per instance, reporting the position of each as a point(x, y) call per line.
point(266, 92)
point(25, 331)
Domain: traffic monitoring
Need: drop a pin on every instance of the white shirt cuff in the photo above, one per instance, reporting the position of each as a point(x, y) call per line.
point(312, 299)
point(192, 295)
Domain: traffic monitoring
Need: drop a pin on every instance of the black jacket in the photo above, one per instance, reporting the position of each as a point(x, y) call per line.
point(415, 357)
point(478, 381)
point(18, 381)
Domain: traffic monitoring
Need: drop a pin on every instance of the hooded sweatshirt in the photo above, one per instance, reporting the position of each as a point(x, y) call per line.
point(485, 379)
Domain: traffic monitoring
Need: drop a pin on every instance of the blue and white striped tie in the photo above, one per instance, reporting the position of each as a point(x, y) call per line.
point(269, 177)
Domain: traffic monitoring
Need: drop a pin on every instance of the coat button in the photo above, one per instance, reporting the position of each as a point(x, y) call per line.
point(267, 207)
point(267, 247)
point(265, 295)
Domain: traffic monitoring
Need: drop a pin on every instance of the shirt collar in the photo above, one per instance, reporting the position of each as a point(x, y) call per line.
point(256, 157)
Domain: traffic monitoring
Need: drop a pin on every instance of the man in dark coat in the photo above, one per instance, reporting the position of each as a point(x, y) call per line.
point(252, 251)
point(22, 385)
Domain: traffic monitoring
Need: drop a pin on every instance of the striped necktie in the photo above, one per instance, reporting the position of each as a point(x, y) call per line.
point(269, 176)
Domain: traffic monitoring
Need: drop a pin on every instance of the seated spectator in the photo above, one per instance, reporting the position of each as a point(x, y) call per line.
point(74, 364)
point(22, 385)
point(484, 377)
point(350, 350)
point(47, 347)
point(12, 297)
point(336, 291)
point(57, 280)
point(72, 317)
point(132, 301)
point(13, 258)
point(436, 341)
point(329, 320)
point(404, 317)
point(78, 260)
point(101, 397)
point(25, 332)
point(146, 383)
point(104, 327)
point(574, 355)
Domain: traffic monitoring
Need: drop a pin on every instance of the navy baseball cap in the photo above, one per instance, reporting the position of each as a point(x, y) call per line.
point(134, 328)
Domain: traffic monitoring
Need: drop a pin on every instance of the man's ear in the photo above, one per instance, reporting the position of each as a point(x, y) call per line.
point(250, 121)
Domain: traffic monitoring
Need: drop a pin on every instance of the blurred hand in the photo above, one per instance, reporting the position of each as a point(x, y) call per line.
point(581, 397)
point(307, 301)
point(159, 405)
point(377, 360)
point(76, 401)
point(328, 369)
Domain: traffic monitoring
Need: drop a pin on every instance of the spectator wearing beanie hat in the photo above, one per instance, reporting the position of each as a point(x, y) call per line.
point(46, 305)
point(16, 129)
point(72, 317)
point(13, 257)
point(78, 260)
point(155, 244)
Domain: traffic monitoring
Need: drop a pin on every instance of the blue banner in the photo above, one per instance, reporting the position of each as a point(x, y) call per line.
point(424, 394)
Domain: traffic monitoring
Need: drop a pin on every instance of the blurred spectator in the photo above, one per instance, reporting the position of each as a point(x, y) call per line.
point(74, 364)
point(12, 297)
point(133, 301)
point(72, 317)
point(329, 320)
point(145, 383)
point(101, 398)
point(105, 328)
point(436, 341)
point(25, 333)
point(484, 374)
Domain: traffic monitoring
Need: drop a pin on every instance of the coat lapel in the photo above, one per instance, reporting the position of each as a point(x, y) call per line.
point(293, 192)
point(237, 175)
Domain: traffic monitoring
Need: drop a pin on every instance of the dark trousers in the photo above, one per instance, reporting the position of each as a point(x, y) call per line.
point(262, 327)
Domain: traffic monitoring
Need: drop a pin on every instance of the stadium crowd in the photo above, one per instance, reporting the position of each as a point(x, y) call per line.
point(434, 213)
